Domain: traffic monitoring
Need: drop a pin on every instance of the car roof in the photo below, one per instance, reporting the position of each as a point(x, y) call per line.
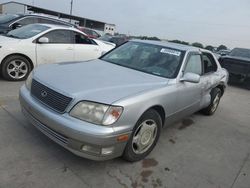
point(181, 47)
point(53, 26)
point(45, 16)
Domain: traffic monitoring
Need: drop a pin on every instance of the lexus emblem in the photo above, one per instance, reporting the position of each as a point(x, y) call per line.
point(43, 93)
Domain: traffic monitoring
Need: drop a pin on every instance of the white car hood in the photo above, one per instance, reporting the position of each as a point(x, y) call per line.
point(105, 46)
point(4, 39)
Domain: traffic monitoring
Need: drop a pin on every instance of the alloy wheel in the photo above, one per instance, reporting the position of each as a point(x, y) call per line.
point(17, 69)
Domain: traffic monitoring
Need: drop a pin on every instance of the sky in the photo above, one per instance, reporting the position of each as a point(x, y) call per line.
point(211, 22)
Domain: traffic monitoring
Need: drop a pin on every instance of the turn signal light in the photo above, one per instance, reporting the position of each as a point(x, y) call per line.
point(123, 138)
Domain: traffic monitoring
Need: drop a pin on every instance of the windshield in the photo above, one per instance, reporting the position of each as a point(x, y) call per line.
point(27, 31)
point(240, 52)
point(153, 59)
point(8, 17)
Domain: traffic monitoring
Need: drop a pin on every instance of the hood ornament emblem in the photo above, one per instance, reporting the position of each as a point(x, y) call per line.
point(44, 93)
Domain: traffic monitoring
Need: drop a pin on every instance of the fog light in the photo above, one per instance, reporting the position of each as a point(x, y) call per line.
point(107, 151)
point(91, 149)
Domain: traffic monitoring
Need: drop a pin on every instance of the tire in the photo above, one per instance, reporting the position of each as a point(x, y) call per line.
point(144, 136)
point(15, 68)
point(215, 100)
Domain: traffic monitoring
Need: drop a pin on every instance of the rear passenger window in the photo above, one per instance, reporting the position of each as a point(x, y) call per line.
point(81, 39)
point(209, 63)
point(194, 65)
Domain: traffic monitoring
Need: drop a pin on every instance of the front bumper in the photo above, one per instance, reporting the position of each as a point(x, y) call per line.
point(71, 133)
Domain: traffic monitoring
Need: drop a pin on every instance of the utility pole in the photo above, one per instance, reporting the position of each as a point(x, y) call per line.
point(71, 8)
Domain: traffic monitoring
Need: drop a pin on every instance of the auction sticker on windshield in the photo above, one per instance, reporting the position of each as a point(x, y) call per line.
point(171, 52)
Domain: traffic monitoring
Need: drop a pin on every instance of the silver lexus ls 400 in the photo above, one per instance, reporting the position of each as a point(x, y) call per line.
point(118, 104)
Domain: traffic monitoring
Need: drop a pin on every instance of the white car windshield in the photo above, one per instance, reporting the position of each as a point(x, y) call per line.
point(27, 31)
point(153, 59)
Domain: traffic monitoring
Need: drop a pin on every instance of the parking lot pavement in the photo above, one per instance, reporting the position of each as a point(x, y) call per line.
point(199, 151)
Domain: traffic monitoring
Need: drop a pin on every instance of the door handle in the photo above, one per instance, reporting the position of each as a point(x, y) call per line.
point(69, 48)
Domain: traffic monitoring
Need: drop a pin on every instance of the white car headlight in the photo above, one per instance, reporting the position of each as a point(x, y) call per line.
point(28, 82)
point(96, 113)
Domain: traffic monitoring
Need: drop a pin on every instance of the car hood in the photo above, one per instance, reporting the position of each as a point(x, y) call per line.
point(96, 80)
point(4, 40)
point(105, 46)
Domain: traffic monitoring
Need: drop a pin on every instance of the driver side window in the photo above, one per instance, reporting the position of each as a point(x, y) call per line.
point(194, 64)
point(60, 37)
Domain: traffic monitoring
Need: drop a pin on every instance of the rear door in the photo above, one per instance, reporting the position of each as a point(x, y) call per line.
point(59, 49)
point(85, 48)
point(210, 76)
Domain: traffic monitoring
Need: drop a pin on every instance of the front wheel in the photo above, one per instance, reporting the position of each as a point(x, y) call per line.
point(15, 68)
point(144, 136)
point(215, 100)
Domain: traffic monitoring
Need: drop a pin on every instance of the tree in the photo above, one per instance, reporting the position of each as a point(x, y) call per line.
point(209, 47)
point(222, 47)
point(179, 42)
point(198, 45)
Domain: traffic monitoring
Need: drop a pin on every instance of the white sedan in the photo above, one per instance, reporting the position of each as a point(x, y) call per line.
point(27, 47)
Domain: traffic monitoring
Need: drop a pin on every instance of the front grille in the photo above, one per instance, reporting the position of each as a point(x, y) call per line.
point(49, 97)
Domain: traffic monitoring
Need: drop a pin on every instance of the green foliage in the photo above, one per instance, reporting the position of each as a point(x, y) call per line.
point(179, 42)
point(198, 45)
point(145, 38)
point(222, 47)
point(209, 47)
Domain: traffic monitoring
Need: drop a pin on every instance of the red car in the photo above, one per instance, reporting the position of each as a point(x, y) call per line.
point(89, 32)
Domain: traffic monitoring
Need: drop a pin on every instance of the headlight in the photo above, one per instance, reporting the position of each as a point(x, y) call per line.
point(28, 82)
point(96, 113)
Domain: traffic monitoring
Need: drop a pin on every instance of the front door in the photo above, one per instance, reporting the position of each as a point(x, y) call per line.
point(60, 47)
point(189, 94)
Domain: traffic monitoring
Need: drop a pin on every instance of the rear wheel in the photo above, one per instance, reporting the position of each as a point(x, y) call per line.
point(15, 68)
point(215, 100)
point(144, 137)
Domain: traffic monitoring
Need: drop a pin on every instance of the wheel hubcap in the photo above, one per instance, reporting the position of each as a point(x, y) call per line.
point(144, 136)
point(17, 69)
point(215, 102)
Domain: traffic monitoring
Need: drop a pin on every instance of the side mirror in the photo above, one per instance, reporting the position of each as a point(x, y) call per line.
point(43, 40)
point(16, 25)
point(190, 77)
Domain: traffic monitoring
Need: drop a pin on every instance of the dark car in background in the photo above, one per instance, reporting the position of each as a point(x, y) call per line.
point(89, 32)
point(237, 63)
point(9, 22)
point(223, 52)
point(116, 39)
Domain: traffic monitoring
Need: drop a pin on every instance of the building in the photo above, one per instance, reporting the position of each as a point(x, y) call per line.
point(13, 7)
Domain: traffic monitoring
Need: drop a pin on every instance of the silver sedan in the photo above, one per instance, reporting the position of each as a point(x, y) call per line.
point(118, 104)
